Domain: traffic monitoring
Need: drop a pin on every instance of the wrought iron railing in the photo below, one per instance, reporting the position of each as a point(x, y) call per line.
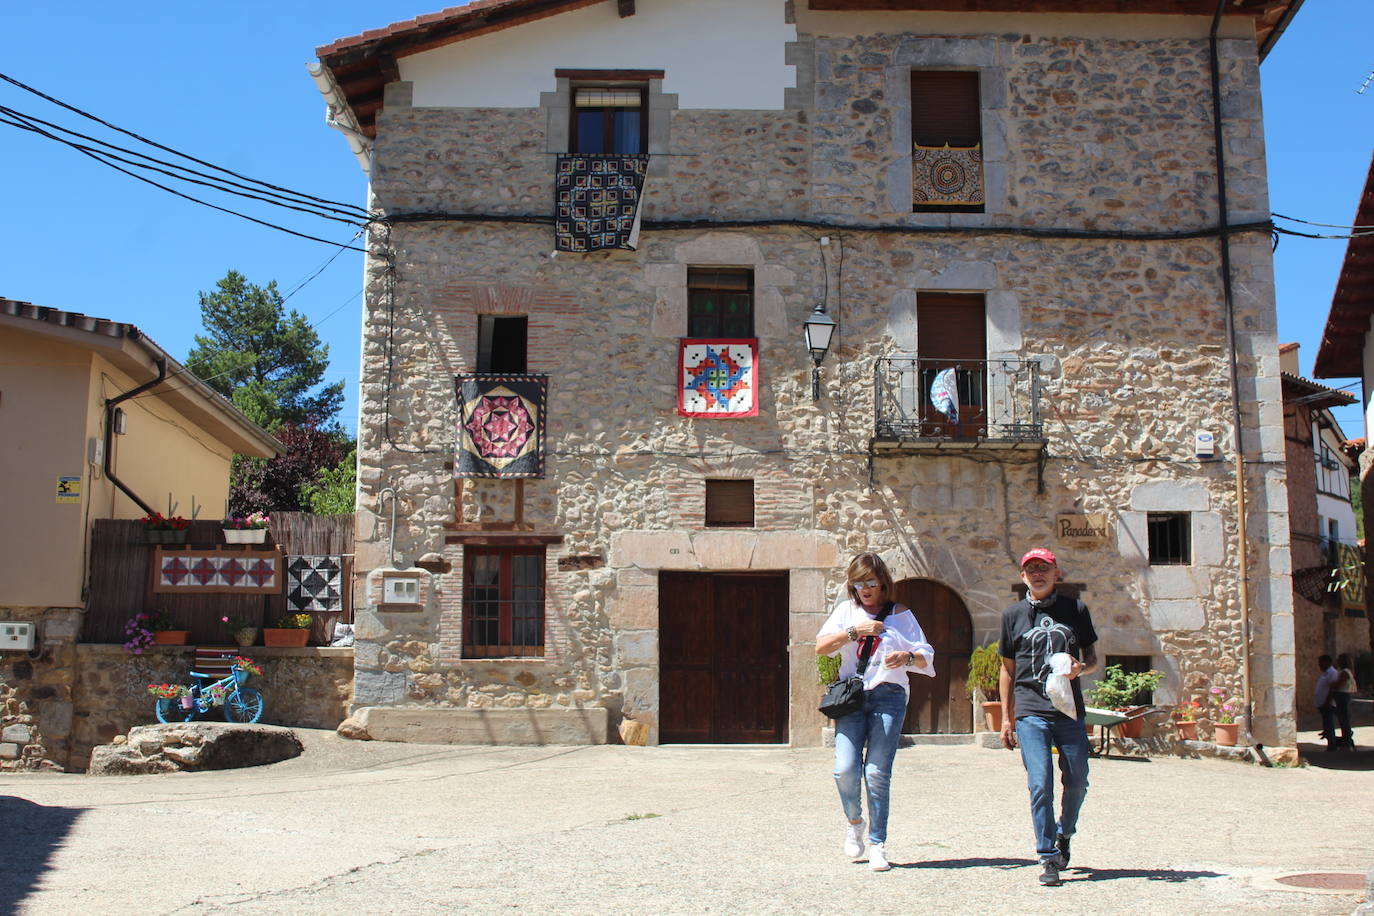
point(999, 399)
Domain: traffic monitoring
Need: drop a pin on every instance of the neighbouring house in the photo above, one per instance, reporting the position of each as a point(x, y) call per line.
point(1347, 347)
point(98, 422)
point(1328, 561)
point(672, 307)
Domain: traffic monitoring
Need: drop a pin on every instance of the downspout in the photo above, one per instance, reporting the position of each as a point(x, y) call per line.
point(110, 405)
point(1224, 226)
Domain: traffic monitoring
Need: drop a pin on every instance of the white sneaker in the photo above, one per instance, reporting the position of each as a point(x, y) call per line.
point(854, 840)
point(877, 858)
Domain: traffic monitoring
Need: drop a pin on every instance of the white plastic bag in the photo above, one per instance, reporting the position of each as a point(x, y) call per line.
point(1057, 686)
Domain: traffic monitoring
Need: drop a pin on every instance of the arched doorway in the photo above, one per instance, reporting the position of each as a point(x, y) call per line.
point(939, 705)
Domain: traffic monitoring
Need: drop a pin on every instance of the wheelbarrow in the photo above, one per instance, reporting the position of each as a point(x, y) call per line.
point(1108, 719)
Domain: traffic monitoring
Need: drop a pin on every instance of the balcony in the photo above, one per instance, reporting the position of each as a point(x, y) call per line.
point(999, 405)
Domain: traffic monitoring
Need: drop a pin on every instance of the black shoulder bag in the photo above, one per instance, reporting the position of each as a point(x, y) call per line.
point(846, 695)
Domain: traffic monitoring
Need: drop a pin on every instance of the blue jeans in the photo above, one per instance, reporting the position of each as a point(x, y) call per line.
point(1037, 735)
point(879, 726)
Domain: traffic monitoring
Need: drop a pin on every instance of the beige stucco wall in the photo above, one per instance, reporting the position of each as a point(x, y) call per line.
point(52, 410)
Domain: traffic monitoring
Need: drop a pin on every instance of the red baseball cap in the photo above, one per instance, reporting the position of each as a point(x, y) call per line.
point(1039, 553)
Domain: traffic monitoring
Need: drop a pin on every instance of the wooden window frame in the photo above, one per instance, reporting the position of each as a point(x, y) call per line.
point(1169, 548)
point(608, 123)
point(725, 499)
point(505, 646)
point(718, 282)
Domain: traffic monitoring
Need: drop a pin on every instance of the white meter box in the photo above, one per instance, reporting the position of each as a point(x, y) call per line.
point(398, 590)
point(15, 636)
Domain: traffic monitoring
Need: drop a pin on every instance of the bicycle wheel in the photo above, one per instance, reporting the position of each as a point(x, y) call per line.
point(243, 705)
point(172, 711)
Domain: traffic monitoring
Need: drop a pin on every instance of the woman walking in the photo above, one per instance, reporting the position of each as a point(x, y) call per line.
point(868, 626)
point(1341, 693)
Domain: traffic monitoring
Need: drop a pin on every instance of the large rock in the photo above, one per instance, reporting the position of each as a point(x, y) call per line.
point(194, 746)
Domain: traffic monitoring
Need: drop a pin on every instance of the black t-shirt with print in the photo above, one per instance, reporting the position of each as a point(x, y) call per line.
point(1030, 635)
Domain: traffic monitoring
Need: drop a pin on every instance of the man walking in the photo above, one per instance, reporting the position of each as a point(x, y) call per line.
point(1326, 700)
point(1033, 629)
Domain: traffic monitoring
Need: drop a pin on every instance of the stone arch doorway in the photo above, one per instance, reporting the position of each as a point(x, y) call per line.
point(939, 705)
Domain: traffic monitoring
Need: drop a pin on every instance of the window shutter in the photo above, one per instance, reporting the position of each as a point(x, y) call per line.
point(730, 503)
point(945, 108)
point(951, 326)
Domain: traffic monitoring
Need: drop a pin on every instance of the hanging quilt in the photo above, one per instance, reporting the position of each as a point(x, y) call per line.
point(944, 175)
point(500, 425)
point(597, 201)
point(718, 378)
point(314, 583)
point(216, 571)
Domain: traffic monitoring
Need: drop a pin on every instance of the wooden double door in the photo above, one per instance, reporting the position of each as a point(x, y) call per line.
point(723, 665)
point(939, 705)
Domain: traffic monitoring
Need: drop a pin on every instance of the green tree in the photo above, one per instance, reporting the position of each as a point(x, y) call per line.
point(332, 492)
point(269, 363)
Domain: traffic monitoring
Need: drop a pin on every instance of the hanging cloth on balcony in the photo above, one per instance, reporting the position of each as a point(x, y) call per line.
point(947, 175)
point(597, 201)
point(944, 394)
point(500, 425)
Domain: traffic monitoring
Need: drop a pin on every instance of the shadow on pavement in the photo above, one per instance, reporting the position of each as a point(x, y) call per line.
point(33, 833)
point(1173, 876)
point(1316, 755)
point(968, 863)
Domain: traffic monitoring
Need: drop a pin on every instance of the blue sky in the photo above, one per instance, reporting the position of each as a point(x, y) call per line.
point(227, 83)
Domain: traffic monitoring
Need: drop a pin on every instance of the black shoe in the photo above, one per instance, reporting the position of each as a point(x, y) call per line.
point(1049, 873)
point(1061, 843)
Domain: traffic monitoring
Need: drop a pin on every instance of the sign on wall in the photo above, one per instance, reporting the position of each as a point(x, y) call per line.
point(68, 490)
point(1082, 530)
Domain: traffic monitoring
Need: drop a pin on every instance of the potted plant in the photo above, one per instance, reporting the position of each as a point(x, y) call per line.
point(1185, 719)
point(244, 631)
point(172, 692)
point(251, 529)
point(159, 529)
point(1124, 691)
point(151, 628)
point(1223, 716)
point(292, 631)
point(165, 632)
point(984, 673)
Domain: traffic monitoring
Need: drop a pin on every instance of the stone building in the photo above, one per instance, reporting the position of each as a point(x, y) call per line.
point(597, 485)
point(1328, 564)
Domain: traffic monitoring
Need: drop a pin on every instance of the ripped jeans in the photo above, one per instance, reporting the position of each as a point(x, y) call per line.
point(879, 726)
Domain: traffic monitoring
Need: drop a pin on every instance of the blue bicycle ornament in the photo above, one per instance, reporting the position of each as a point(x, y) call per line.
point(187, 702)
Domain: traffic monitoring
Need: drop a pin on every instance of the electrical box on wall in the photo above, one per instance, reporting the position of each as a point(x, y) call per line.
point(15, 636)
point(1204, 446)
point(400, 590)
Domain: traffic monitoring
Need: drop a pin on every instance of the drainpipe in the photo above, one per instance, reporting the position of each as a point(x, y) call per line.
point(110, 405)
point(1242, 551)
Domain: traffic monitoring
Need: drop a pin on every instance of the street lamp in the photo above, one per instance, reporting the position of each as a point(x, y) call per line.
point(819, 328)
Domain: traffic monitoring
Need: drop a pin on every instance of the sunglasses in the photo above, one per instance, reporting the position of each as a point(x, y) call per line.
point(866, 583)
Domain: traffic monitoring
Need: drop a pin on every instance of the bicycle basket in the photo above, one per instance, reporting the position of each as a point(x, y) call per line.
point(240, 675)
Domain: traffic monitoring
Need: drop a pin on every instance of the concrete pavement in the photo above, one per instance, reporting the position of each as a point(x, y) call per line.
point(360, 827)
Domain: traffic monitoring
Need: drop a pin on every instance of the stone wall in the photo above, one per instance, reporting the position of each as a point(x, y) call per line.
point(36, 691)
point(1081, 134)
point(309, 687)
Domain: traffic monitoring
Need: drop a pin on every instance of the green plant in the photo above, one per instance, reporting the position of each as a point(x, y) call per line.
point(294, 622)
point(1223, 709)
point(827, 669)
point(985, 672)
point(1187, 711)
point(234, 623)
point(1122, 689)
point(168, 691)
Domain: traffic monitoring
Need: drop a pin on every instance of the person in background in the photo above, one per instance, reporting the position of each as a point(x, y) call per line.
point(1033, 629)
point(1341, 692)
point(866, 739)
point(1326, 703)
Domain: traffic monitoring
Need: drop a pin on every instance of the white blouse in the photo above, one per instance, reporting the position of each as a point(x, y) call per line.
point(901, 634)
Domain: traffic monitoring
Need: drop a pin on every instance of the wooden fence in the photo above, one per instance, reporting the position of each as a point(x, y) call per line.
point(121, 574)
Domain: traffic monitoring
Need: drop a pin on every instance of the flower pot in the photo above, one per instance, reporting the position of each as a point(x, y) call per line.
point(1187, 729)
point(992, 716)
point(170, 637)
point(1225, 733)
point(188, 702)
point(1131, 728)
point(246, 637)
point(287, 638)
point(174, 536)
point(244, 535)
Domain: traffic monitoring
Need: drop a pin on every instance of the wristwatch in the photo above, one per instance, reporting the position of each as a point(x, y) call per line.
point(853, 634)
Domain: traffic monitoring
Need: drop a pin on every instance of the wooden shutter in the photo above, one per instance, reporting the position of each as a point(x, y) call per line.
point(951, 326)
point(945, 108)
point(729, 503)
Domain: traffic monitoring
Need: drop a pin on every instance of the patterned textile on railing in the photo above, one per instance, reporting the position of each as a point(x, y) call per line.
point(598, 200)
point(944, 394)
point(314, 583)
point(500, 425)
point(718, 378)
point(1348, 575)
point(216, 570)
point(945, 175)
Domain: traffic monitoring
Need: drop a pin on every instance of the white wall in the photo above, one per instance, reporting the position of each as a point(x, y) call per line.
point(716, 54)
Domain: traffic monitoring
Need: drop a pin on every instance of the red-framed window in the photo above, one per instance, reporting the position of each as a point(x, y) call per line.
point(503, 602)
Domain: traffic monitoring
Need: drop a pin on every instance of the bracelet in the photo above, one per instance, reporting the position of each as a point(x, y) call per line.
point(852, 633)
